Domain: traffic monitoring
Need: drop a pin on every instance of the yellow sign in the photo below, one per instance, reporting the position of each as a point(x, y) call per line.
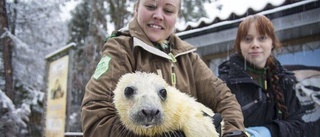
point(57, 97)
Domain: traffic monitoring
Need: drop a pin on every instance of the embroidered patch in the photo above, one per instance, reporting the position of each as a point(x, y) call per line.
point(102, 67)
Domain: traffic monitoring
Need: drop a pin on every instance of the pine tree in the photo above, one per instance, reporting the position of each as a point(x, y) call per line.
point(34, 30)
point(80, 22)
point(192, 10)
point(6, 49)
point(119, 12)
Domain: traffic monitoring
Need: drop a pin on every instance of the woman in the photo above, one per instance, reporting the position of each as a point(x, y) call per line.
point(264, 89)
point(148, 44)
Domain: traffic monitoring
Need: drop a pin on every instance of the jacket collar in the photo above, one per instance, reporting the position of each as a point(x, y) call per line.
point(235, 67)
point(140, 39)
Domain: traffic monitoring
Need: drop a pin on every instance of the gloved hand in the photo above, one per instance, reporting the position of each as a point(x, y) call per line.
point(258, 131)
point(235, 133)
point(217, 118)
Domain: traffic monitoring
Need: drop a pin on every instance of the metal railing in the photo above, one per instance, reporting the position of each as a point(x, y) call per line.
point(73, 134)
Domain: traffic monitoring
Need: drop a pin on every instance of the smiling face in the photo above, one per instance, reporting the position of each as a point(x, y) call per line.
point(256, 47)
point(157, 18)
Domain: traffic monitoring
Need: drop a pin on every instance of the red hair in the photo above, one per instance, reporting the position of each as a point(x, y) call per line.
point(264, 27)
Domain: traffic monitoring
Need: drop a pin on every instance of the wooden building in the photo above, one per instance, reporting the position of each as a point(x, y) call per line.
point(297, 25)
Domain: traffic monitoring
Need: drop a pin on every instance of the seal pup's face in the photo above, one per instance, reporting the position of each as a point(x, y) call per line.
point(139, 104)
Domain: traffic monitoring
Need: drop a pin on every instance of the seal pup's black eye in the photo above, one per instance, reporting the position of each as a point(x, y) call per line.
point(128, 92)
point(163, 94)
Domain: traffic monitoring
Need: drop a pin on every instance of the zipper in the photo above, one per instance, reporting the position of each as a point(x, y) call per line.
point(157, 52)
point(173, 74)
point(247, 106)
point(174, 60)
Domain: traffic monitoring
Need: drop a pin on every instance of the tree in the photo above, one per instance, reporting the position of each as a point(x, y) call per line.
point(6, 50)
point(192, 10)
point(87, 28)
point(35, 30)
point(88, 20)
point(12, 119)
point(39, 27)
point(119, 12)
point(79, 24)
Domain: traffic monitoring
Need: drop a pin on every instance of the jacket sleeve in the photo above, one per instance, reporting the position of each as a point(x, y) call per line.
point(214, 93)
point(98, 114)
point(294, 125)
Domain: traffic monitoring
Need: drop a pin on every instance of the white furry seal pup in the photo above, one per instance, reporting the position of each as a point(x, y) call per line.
point(148, 106)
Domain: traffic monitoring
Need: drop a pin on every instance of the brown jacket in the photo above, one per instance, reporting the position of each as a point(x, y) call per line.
point(134, 52)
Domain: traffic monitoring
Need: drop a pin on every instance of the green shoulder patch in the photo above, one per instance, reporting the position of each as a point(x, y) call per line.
point(102, 67)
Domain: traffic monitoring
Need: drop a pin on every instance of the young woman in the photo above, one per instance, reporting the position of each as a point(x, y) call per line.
point(264, 89)
point(149, 44)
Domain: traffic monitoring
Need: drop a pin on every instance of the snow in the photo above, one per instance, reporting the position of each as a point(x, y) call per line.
point(70, 45)
point(240, 7)
point(11, 115)
point(67, 8)
point(37, 32)
point(34, 42)
point(6, 102)
point(22, 45)
point(228, 7)
point(206, 20)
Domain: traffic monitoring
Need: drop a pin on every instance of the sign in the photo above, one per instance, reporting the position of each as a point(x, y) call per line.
point(57, 97)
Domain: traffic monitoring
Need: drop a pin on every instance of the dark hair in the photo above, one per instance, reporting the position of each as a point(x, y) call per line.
point(264, 26)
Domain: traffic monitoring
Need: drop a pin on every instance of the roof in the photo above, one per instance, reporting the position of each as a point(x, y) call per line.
point(60, 50)
point(296, 23)
point(221, 20)
point(287, 8)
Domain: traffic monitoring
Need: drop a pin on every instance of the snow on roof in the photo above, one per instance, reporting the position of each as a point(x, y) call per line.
point(70, 45)
point(192, 27)
point(232, 7)
point(229, 7)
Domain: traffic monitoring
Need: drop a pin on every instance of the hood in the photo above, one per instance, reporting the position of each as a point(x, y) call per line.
point(178, 46)
point(234, 67)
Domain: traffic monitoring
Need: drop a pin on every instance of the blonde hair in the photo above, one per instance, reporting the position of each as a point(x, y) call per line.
point(138, 1)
